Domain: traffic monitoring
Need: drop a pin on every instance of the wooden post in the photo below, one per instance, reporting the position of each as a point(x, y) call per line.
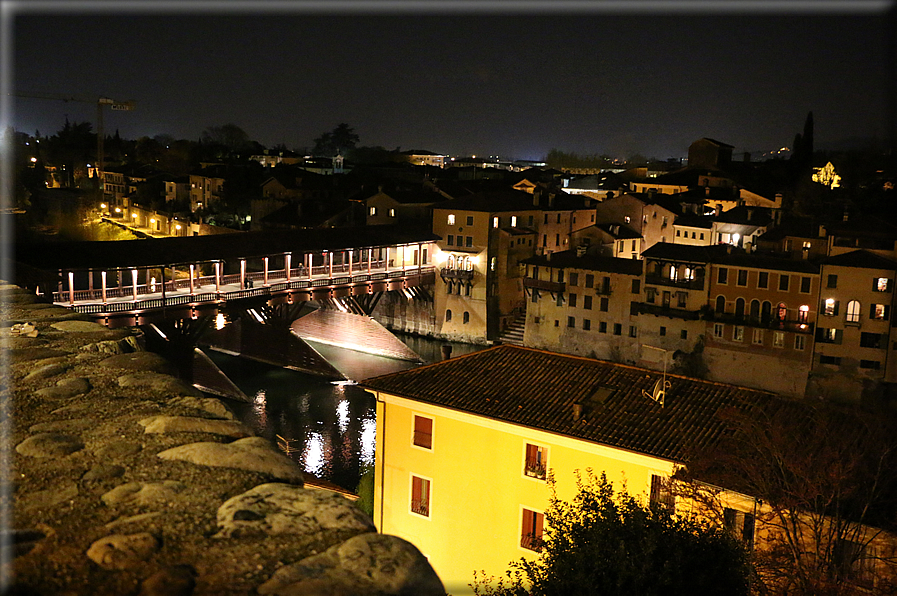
point(350, 263)
point(331, 264)
point(242, 274)
point(103, 282)
point(370, 257)
point(192, 291)
point(217, 276)
point(134, 282)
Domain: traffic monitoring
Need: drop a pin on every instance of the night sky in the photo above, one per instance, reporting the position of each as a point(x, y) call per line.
point(583, 77)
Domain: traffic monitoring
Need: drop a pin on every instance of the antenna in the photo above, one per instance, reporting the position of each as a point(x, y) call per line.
point(658, 393)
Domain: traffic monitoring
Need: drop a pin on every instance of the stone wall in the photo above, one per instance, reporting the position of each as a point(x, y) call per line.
point(124, 480)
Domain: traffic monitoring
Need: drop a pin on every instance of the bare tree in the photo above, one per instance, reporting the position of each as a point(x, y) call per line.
point(824, 480)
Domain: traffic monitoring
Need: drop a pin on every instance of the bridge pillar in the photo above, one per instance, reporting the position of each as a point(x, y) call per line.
point(192, 290)
point(330, 255)
point(350, 262)
point(242, 274)
point(134, 283)
point(72, 287)
point(265, 281)
point(103, 282)
point(217, 276)
point(286, 259)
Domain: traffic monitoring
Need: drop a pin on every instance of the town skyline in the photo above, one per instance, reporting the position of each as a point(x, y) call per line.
point(517, 83)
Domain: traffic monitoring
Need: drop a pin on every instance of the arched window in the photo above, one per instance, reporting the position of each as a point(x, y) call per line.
point(689, 273)
point(720, 304)
point(674, 272)
point(466, 317)
point(448, 316)
point(739, 308)
point(451, 262)
point(765, 312)
point(853, 311)
point(755, 310)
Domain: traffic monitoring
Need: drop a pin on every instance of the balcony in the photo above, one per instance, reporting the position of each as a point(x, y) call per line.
point(547, 286)
point(643, 308)
point(534, 470)
point(688, 284)
point(456, 274)
point(792, 325)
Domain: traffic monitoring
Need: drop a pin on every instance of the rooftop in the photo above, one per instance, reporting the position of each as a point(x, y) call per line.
point(568, 260)
point(538, 389)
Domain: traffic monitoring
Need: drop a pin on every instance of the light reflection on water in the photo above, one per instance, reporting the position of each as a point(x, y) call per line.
point(331, 428)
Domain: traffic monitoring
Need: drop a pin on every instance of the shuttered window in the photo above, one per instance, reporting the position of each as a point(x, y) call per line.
point(420, 496)
point(423, 432)
point(531, 532)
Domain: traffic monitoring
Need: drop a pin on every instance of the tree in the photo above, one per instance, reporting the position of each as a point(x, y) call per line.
point(825, 475)
point(228, 139)
point(337, 142)
point(607, 543)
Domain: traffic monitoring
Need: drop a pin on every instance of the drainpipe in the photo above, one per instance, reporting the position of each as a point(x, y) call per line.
point(377, 463)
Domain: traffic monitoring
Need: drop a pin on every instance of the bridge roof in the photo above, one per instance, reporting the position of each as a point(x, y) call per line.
point(195, 249)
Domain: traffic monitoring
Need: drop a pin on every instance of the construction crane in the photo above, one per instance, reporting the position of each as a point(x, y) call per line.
point(100, 102)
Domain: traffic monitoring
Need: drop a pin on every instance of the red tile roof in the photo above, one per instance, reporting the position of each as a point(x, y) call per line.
point(539, 389)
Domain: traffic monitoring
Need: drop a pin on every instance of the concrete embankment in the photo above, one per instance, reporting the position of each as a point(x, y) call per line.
point(123, 480)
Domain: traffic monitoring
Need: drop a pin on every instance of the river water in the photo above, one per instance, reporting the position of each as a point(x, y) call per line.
point(330, 427)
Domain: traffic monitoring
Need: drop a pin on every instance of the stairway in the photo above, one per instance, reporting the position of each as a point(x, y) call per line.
point(514, 333)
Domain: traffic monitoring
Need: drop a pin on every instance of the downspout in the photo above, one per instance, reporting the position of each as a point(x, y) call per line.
point(382, 444)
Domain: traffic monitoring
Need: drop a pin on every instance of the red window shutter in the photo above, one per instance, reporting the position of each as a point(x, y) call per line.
point(415, 489)
point(531, 453)
point(527, 523)
point(539, 521)
point(423, 432)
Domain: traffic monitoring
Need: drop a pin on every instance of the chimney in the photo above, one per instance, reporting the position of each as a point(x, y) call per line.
point(822, 231)
point(577, 412)
point(446, 352)
point(719, 209)
point(537, 194)
point(551, 199)
point(707, 191)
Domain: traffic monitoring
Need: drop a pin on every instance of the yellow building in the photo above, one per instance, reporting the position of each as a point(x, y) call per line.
point(464, 446)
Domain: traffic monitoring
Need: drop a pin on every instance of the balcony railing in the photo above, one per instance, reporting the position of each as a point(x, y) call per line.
point(689, 284)
point(769, 322)
point(548, 286)
point(531, 541)
point(534, 470)
point(421, 507)
point(638, 308)
point(456, 274)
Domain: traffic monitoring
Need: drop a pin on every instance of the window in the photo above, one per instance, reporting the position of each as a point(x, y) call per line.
point(740, 524)
point(603, 304)
point(763, 280)
point(870, 340)
point(829, 336)
point(536, 460)
point(831, 281)
point(852, 562)
point(618, 329)
point(683, 334)
point(450, 240)
point(800, 342)
point(470, 220)
point(881, 284)
point(778, 339)
point(742, 277)
point(423, 432)
point(560, 299)
point(560, 276)
point(559, 218)
point(586, 324)
point(466, 317)
point(372, 211)
point(783, 283)
point(830, 307)
point(392, 212)
point(678, 233)
point(420, 496)
point(870, 364)
point(602, 327)
point(495, 221)
point(513, 221)
point(880, 311)
point(632, 331)
point(590, 280)
point(722, 276)
point(574, 278)
point(571, 322)
point(836, 360)
point(805, 285)
point(853, 312)
point(451, 219)
point(738, 333)
point(572, 299)
point(661, 495)
point(636, 286)
point(650, 294)
point(587, 302)
point(626, 219)
point(718, 330)
point(469, 241)
point(681, 299)
point(531, 530)
point(803, 314)
point(720, 304)
point(758, 337)
point(663, 331)
point(448, 314)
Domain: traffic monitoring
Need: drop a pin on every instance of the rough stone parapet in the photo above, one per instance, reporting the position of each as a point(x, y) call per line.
point(123, 480)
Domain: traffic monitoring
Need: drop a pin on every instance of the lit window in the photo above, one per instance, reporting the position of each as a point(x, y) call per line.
point(880, 311)
point(738, 334)
point(531, 530)
point(758, 337)
point(420, 496)
point(853, 312)
point(451, 219)
point(800, 342)
point(423, 432)
point(627, 219)
point(803, 314)
point(392, 212)
point(372, 211)
point(718, 330)
point(494, 222)
point(882, 284)
point(536, 460)
point(778, 339)
point(830, 307)
point(513, 221)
